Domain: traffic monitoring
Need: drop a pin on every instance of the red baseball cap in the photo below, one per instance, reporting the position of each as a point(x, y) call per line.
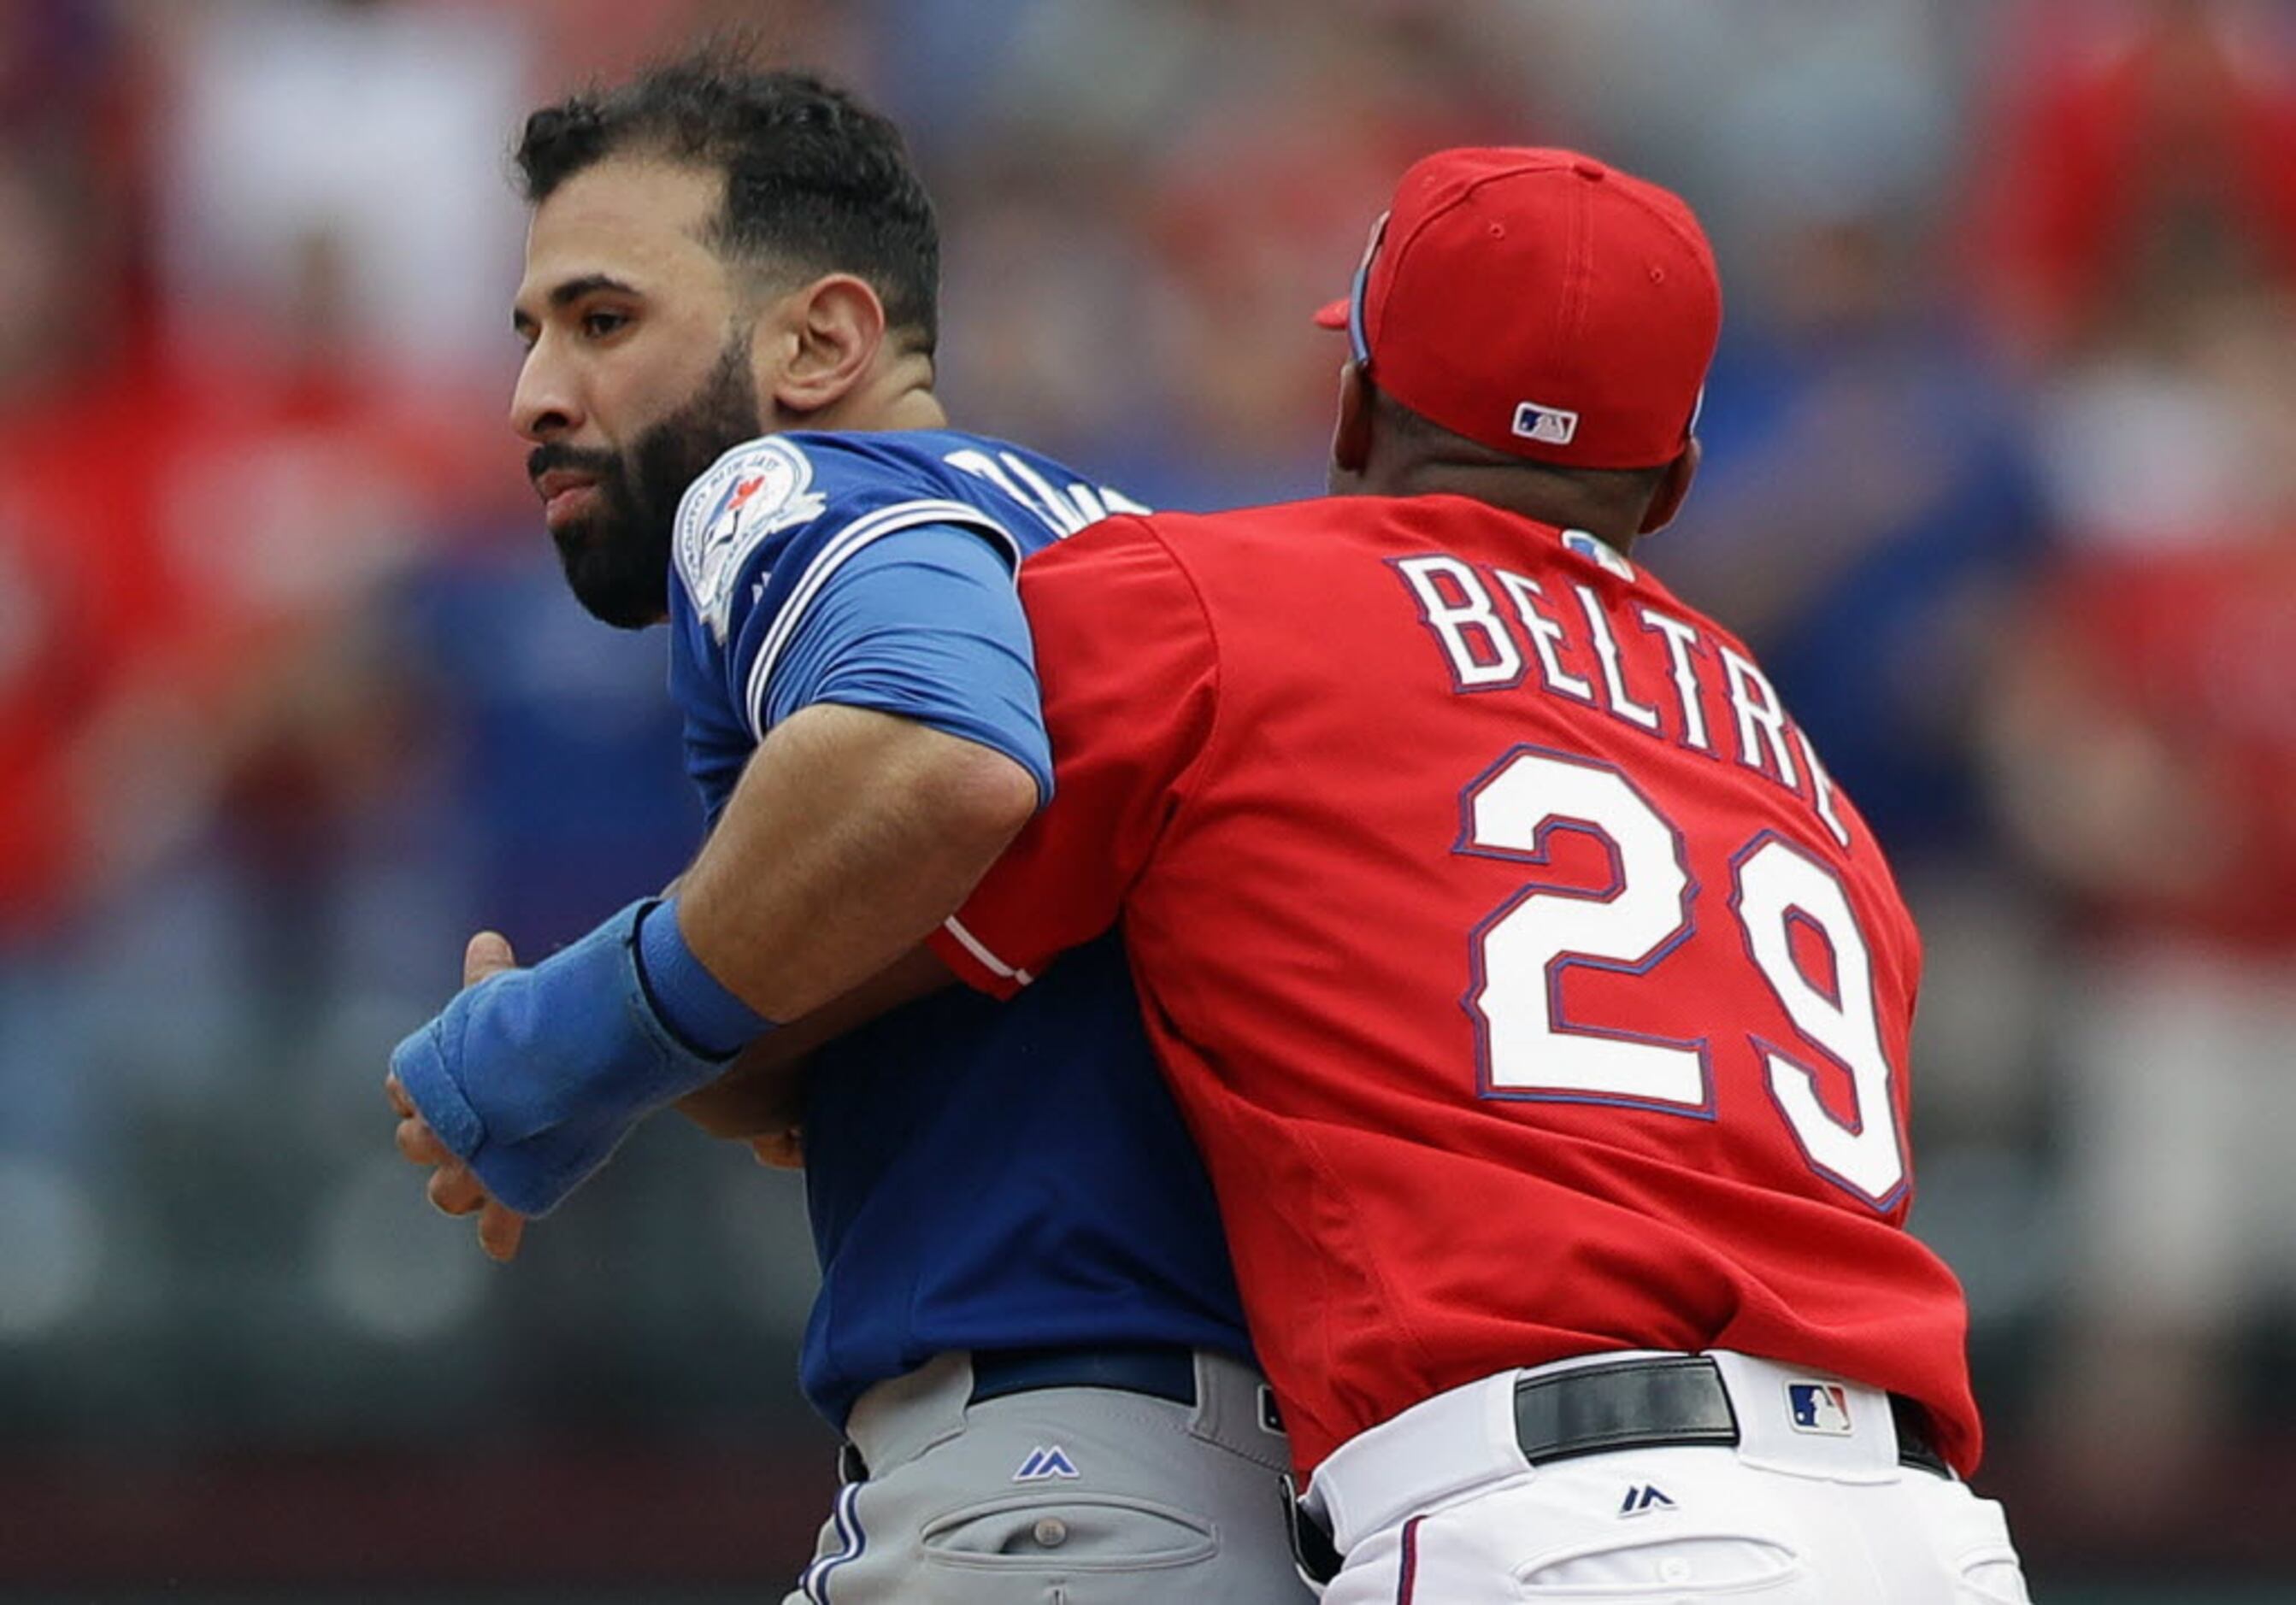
point(1540, 302)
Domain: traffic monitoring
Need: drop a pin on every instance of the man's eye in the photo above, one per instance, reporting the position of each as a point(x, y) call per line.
point(597, 326)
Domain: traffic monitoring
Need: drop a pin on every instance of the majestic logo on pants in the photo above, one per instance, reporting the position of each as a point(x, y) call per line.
point(1819, 1407)
point(1643, 1498)
point(1047, 1465)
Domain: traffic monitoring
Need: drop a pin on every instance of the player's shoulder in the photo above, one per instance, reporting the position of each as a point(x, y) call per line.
point(1312, 534)
point(1251, 557)
point(916, 458)
point(1235, 533)
point(999, 474)
point(788, 495)
point(1341, 550)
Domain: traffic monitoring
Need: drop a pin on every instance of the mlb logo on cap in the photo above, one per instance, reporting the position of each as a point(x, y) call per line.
point(1549, 426)
point(1819, 1407)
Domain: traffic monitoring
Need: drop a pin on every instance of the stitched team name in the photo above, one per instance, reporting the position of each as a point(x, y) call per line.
point(1497, 629)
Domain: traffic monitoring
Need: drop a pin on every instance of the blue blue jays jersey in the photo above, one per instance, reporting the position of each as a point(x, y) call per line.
point(980, 1175)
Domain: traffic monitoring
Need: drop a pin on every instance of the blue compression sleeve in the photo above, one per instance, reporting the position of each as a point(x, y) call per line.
point(923, 623)
point(693, 1003)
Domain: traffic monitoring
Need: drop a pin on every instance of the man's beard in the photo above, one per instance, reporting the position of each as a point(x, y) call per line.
point(616, 557)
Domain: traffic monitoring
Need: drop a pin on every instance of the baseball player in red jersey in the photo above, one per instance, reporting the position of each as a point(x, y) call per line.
point(1540, 1006)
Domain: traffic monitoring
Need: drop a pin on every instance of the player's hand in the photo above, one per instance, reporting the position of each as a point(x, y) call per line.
point(533, 1075)
point(454, 1187)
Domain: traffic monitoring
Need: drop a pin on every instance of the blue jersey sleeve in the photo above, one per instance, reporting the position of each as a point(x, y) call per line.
point(847, 551)
point(762, 539)
point(925, 624)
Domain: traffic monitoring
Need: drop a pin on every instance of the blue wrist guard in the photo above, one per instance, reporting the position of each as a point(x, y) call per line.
point(534, 1076)
point(696, 1005)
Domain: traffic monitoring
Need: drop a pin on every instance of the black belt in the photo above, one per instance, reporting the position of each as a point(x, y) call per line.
point(1160, 1370)
point(1667, 1401)
point(1654, 1403)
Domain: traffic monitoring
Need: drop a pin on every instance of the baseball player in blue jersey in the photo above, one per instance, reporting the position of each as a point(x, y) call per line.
point(1028, 1330)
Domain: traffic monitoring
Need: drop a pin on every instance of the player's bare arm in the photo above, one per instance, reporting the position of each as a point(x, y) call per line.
point(798, 890)
point(851, 835)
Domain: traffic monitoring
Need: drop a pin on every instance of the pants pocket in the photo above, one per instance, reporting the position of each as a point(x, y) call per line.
point(1989, 1573)
point(1072, 1533)
point(1684, 1566)
point(1995, 1581)
point(1974, 1547)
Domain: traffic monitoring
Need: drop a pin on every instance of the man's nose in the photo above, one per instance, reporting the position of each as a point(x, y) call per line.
point(544, 405)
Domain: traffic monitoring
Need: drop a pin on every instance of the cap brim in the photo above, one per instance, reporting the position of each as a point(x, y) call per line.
point(1333, 316)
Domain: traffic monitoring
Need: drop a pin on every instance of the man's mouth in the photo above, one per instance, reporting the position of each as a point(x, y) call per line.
point(565, 493)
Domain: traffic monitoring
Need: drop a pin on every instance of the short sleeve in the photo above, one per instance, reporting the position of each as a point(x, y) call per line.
point(765, 536)
point(925, 625)
point(766, 533)
point(1128, 669)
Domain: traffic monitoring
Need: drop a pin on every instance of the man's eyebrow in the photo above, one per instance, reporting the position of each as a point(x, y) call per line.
point(589, 283)
point(571, 291)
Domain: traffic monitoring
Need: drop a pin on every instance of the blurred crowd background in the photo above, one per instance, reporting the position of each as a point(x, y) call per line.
point(2001, 484)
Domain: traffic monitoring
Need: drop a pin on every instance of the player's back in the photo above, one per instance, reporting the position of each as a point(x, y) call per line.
point(1530, 988)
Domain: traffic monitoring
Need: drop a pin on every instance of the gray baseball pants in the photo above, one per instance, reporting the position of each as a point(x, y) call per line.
point(1058, 1497)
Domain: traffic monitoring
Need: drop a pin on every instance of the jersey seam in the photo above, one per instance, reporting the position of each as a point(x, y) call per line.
point(1396, 1313)
point(835, 553)
point(1209, 754)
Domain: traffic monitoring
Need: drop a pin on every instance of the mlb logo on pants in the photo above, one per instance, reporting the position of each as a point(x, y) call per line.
point(1819, 1407)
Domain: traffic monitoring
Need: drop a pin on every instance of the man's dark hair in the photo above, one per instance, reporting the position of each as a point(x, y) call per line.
point(814, 179)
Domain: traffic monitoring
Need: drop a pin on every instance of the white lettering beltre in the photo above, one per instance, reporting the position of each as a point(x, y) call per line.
point(1496, 630)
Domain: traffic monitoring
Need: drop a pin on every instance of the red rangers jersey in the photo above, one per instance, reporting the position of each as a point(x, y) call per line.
point(1530, 988)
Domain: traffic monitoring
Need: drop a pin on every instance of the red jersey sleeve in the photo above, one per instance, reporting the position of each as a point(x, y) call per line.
point(1129, 672)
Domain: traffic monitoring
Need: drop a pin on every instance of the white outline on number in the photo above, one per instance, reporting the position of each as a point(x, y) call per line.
point(1774, 883)
point(1527, 1049)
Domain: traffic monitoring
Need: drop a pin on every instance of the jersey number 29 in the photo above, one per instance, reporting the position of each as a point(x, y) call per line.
point(1522, 952)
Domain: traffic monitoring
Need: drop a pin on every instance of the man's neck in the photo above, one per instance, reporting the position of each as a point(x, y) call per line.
point(1541, 498)
point(899, 396)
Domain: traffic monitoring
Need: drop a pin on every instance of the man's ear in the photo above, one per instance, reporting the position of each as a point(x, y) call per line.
point(1351, 436)
point(1673, 486)
point(825, 340)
